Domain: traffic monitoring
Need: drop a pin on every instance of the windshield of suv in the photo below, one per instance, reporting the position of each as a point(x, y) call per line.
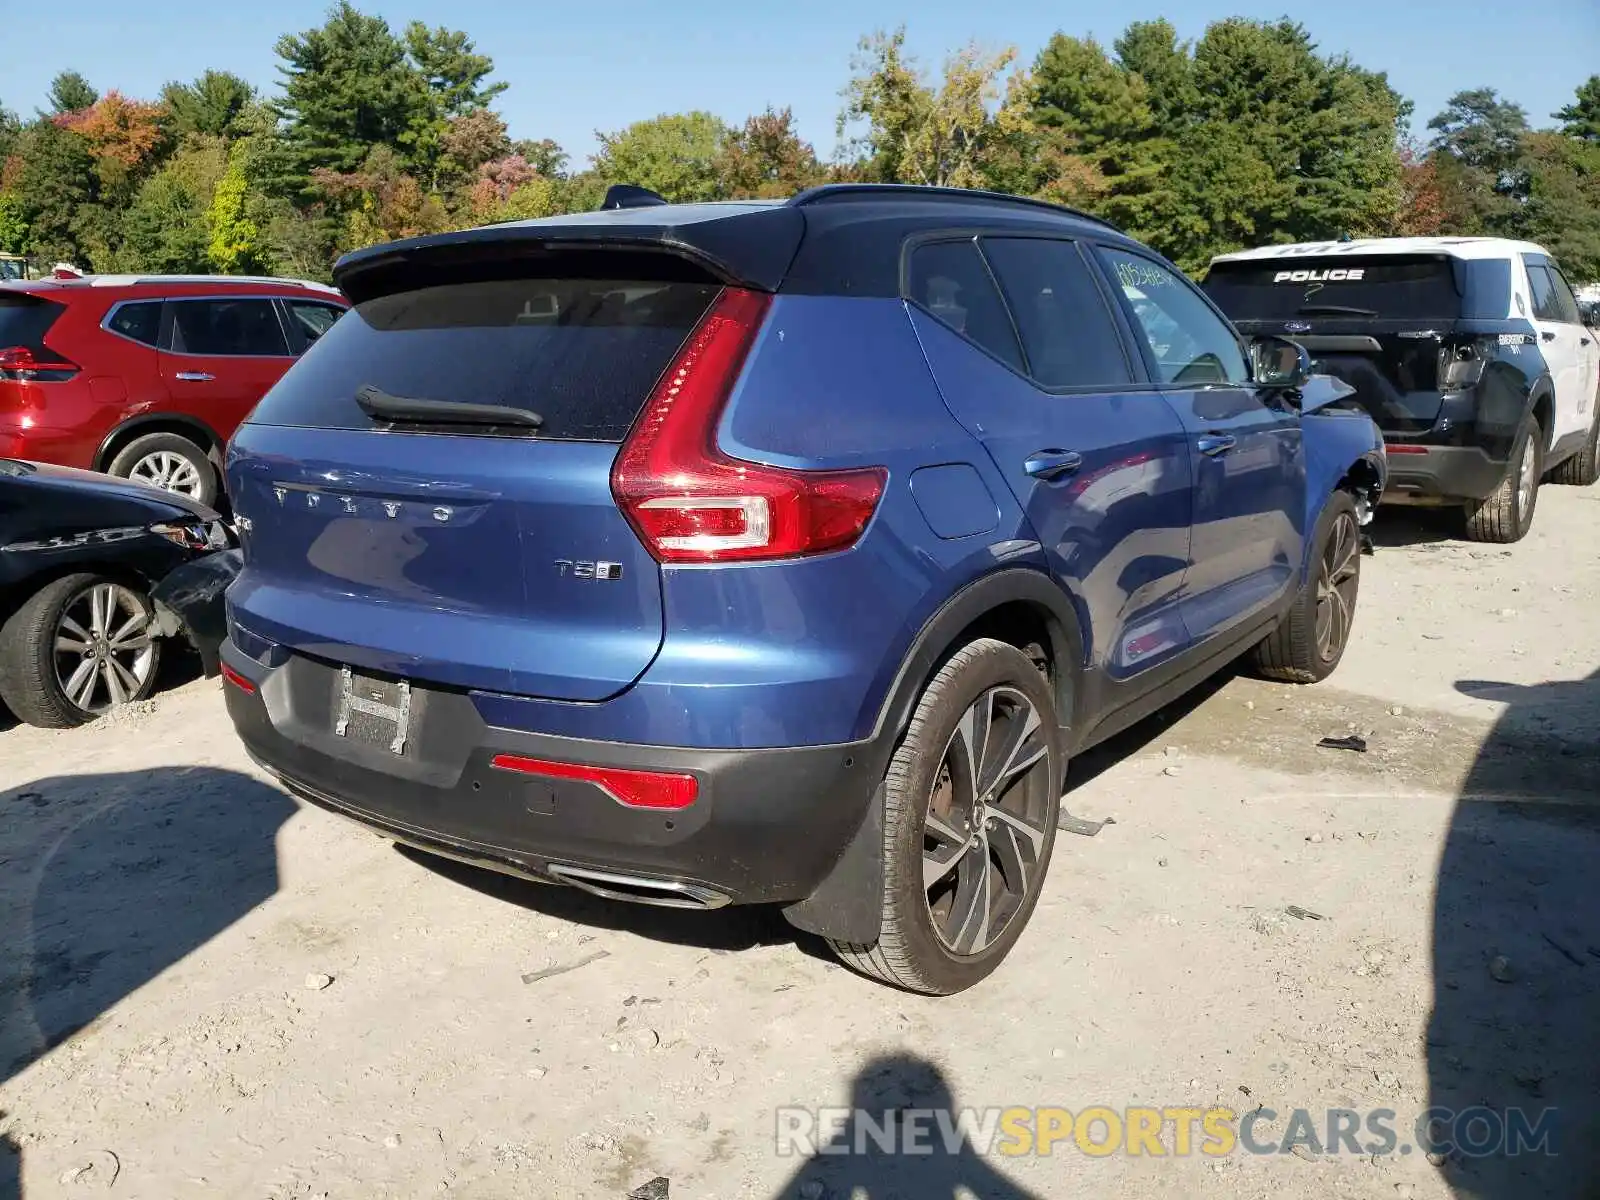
point(1385, 287)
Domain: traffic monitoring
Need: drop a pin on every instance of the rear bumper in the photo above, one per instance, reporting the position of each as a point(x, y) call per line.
point(1440, 474)
point(766, 826)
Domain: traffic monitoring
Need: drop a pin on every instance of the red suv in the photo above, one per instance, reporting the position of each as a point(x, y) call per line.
point(147, 376)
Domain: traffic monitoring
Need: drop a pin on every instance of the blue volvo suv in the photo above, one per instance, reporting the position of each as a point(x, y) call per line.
point(774, 552)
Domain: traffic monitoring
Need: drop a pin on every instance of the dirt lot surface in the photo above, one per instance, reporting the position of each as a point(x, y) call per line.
point(170, 923)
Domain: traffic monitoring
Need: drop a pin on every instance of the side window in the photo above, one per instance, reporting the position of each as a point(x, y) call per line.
point(312, 320)
point(1067, 330)
point(140, 322)
point(1189, 342)
point(1543, 289)
point(234, 328)
point(1566, 302)
point(950, 280)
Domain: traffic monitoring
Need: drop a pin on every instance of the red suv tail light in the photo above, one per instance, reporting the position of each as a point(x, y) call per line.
point(689, 502)
point(20, 363)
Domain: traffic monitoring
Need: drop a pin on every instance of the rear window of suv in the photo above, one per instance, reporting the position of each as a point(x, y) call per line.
point(25, 319)
point(1383, 287)
point(583, 354)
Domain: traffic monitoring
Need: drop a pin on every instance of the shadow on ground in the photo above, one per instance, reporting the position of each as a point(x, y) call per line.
point(10, 1169)
point(723, 930)
point(895, 1099)
point(1514, 1037)
point(1397, 526)
point(112, 879)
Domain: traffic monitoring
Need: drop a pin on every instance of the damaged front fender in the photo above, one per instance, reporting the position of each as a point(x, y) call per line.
point(190, 601)
point(1343, 449)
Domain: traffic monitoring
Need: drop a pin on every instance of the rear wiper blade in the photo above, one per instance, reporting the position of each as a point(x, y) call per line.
point(1337, 309)
point(418, 410)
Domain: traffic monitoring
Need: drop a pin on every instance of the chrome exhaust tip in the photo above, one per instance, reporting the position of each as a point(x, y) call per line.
point(639, 889)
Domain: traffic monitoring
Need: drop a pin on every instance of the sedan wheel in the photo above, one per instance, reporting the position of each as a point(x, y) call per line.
point(76, 648)
point(104, 652)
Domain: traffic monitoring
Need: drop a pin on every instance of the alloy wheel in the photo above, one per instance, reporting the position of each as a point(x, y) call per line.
point(1527, 476)
point(170, 471)
point(104, 648)
point(984, 832)
point(1337, 578)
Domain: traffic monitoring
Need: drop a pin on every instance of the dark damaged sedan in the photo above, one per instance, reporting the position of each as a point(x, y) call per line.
point(95, 574)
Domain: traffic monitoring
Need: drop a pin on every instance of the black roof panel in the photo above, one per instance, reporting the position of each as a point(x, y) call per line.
point(840, 239)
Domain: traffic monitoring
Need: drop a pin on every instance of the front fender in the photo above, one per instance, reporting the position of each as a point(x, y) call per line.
point(1341, 442)
point(190, 600)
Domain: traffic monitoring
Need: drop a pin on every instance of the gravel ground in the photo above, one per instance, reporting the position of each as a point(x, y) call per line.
point(208, 991)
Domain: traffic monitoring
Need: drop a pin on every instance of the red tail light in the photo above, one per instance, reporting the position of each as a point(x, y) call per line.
point(27, 365)
point(229, 675)
point(689, 502)
point(635, 789)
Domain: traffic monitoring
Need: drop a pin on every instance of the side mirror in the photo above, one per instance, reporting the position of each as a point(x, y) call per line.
point(1589, 312)
point(1277, 362)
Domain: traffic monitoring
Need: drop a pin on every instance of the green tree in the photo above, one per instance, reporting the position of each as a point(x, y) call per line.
point(70, 92)
point(347, 87)
point(217, 104)
point(1325, 130)
point(1581, 118)
point(949, 134)
point(1152, 51)
point(57, 190)
point(1561, 206)
point(766, 158)
point(13, 225)
point(454, 73)
point(1478, 141)
point(165, 228)
point(10, 130)
point(675, 155)
point(1100, 145)
point(234, 246)
point(1478, 129)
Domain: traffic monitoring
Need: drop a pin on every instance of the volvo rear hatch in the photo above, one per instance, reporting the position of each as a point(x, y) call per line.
point(428, 492)
point(1393, 326)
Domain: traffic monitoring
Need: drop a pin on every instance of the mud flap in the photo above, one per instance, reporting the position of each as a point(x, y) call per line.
point(847, 905)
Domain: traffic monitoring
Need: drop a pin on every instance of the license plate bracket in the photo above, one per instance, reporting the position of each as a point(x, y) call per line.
point(374, 711)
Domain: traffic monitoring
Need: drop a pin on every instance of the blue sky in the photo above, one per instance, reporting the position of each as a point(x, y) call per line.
point(600, 64)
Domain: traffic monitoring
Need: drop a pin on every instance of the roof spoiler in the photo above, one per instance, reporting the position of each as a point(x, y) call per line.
point(627, 195)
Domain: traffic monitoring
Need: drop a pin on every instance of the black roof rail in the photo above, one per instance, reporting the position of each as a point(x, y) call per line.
point(627, 195)
point(865, 191)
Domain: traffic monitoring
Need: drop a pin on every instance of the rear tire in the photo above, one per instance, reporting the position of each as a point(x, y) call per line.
point(967, 837)
point(1583, 468)
point(1507, 514)
point(1307, 645)
point(75, 649)
point(170, 462)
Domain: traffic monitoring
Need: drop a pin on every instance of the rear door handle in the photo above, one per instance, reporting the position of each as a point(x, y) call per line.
point(1213, 444)
point(195, 377)
point(1048, 464)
